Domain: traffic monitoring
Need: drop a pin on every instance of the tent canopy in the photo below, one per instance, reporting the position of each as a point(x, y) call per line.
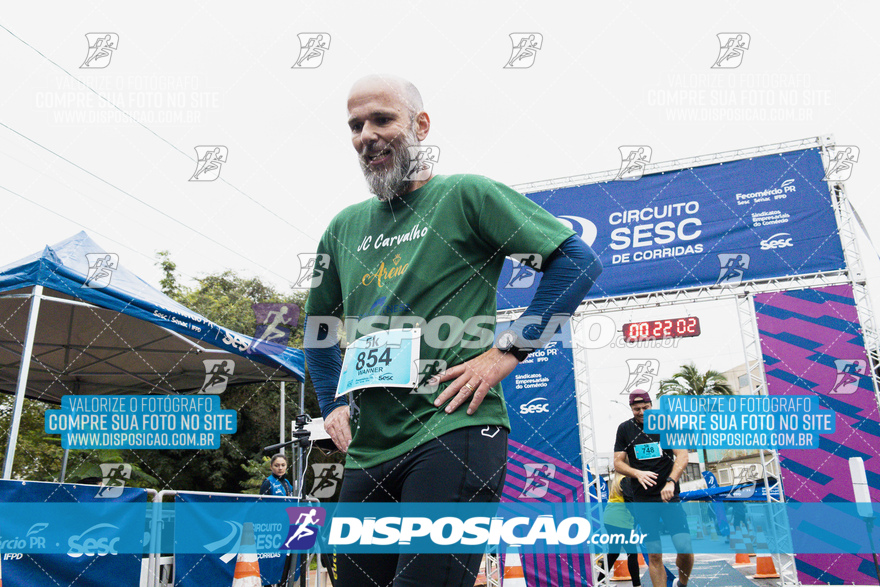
point(102, 330)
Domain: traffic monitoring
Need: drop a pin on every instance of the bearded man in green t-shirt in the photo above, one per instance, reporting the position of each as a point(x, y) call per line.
point(425, 255)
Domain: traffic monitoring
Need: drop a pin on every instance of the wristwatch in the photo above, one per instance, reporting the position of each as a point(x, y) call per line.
point(668, 479)
point(507, 343)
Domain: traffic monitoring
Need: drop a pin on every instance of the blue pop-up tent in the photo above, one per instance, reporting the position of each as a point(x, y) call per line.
point(74, 320)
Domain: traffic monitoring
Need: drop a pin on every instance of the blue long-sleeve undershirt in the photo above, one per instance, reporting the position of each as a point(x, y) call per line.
point(568, 275)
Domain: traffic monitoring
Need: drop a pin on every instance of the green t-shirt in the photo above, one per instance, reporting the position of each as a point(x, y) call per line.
point(434, 254)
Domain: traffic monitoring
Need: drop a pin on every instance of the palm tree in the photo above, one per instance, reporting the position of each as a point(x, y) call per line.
point(689, 381)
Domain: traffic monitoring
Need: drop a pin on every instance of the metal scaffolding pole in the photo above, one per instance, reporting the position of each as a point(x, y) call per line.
point(23, 370)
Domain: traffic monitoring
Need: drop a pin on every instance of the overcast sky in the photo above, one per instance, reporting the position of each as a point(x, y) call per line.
point(606, 74)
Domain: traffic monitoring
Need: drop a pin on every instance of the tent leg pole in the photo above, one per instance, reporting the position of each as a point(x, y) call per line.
point(64, 465)
point(281, 420)
point(23, 370)
point(300, 466)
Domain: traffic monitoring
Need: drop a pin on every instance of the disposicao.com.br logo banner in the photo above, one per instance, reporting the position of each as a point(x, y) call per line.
point(272, 527)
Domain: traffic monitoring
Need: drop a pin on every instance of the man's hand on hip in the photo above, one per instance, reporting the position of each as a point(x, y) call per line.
point(647, 478)
point(473, 379)
point(337, 425)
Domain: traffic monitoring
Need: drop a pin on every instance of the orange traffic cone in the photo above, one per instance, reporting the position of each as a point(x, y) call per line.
point(621, 572)
point(513, 571)
point(642, 562)
point(766, 568)
point(247, 567)
point(742, 559)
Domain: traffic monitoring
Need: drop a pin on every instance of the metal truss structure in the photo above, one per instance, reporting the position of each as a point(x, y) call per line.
point(743, 296)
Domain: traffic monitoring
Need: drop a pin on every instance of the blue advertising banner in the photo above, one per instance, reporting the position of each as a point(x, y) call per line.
point(89, 548)
point(213, 562)
point(544, 454)
point(723, 224)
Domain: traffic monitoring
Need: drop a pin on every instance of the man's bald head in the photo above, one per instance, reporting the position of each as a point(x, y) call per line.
point(403, 91)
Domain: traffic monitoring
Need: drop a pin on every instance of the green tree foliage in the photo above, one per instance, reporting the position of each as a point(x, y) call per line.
point(690, 381)
point(225, 298)
point(38, 455)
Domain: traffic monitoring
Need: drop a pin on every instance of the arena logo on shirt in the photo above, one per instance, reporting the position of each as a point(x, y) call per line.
point(383, 273)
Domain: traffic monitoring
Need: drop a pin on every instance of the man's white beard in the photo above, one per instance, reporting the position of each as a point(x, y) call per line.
point(390, 183)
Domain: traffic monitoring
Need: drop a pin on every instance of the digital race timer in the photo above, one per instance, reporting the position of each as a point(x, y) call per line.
point(660, 329)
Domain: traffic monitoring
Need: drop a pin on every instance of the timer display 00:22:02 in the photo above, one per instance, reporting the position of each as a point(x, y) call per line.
point(661, 329)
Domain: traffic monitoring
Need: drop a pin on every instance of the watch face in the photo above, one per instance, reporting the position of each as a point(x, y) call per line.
point(506, 340)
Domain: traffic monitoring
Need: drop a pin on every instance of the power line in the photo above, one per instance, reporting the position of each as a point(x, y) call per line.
point(150, 206)
point(151, 131)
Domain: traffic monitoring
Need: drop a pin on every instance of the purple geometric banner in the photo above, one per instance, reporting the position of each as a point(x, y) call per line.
point(812, 345)
point(544, 453)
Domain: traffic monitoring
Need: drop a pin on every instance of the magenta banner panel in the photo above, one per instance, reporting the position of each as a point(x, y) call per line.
point(812, 345)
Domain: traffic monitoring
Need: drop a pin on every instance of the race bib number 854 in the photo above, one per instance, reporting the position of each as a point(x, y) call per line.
point(388, 358)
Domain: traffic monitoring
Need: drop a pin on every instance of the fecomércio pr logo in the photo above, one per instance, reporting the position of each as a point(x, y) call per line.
point(304, 525)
